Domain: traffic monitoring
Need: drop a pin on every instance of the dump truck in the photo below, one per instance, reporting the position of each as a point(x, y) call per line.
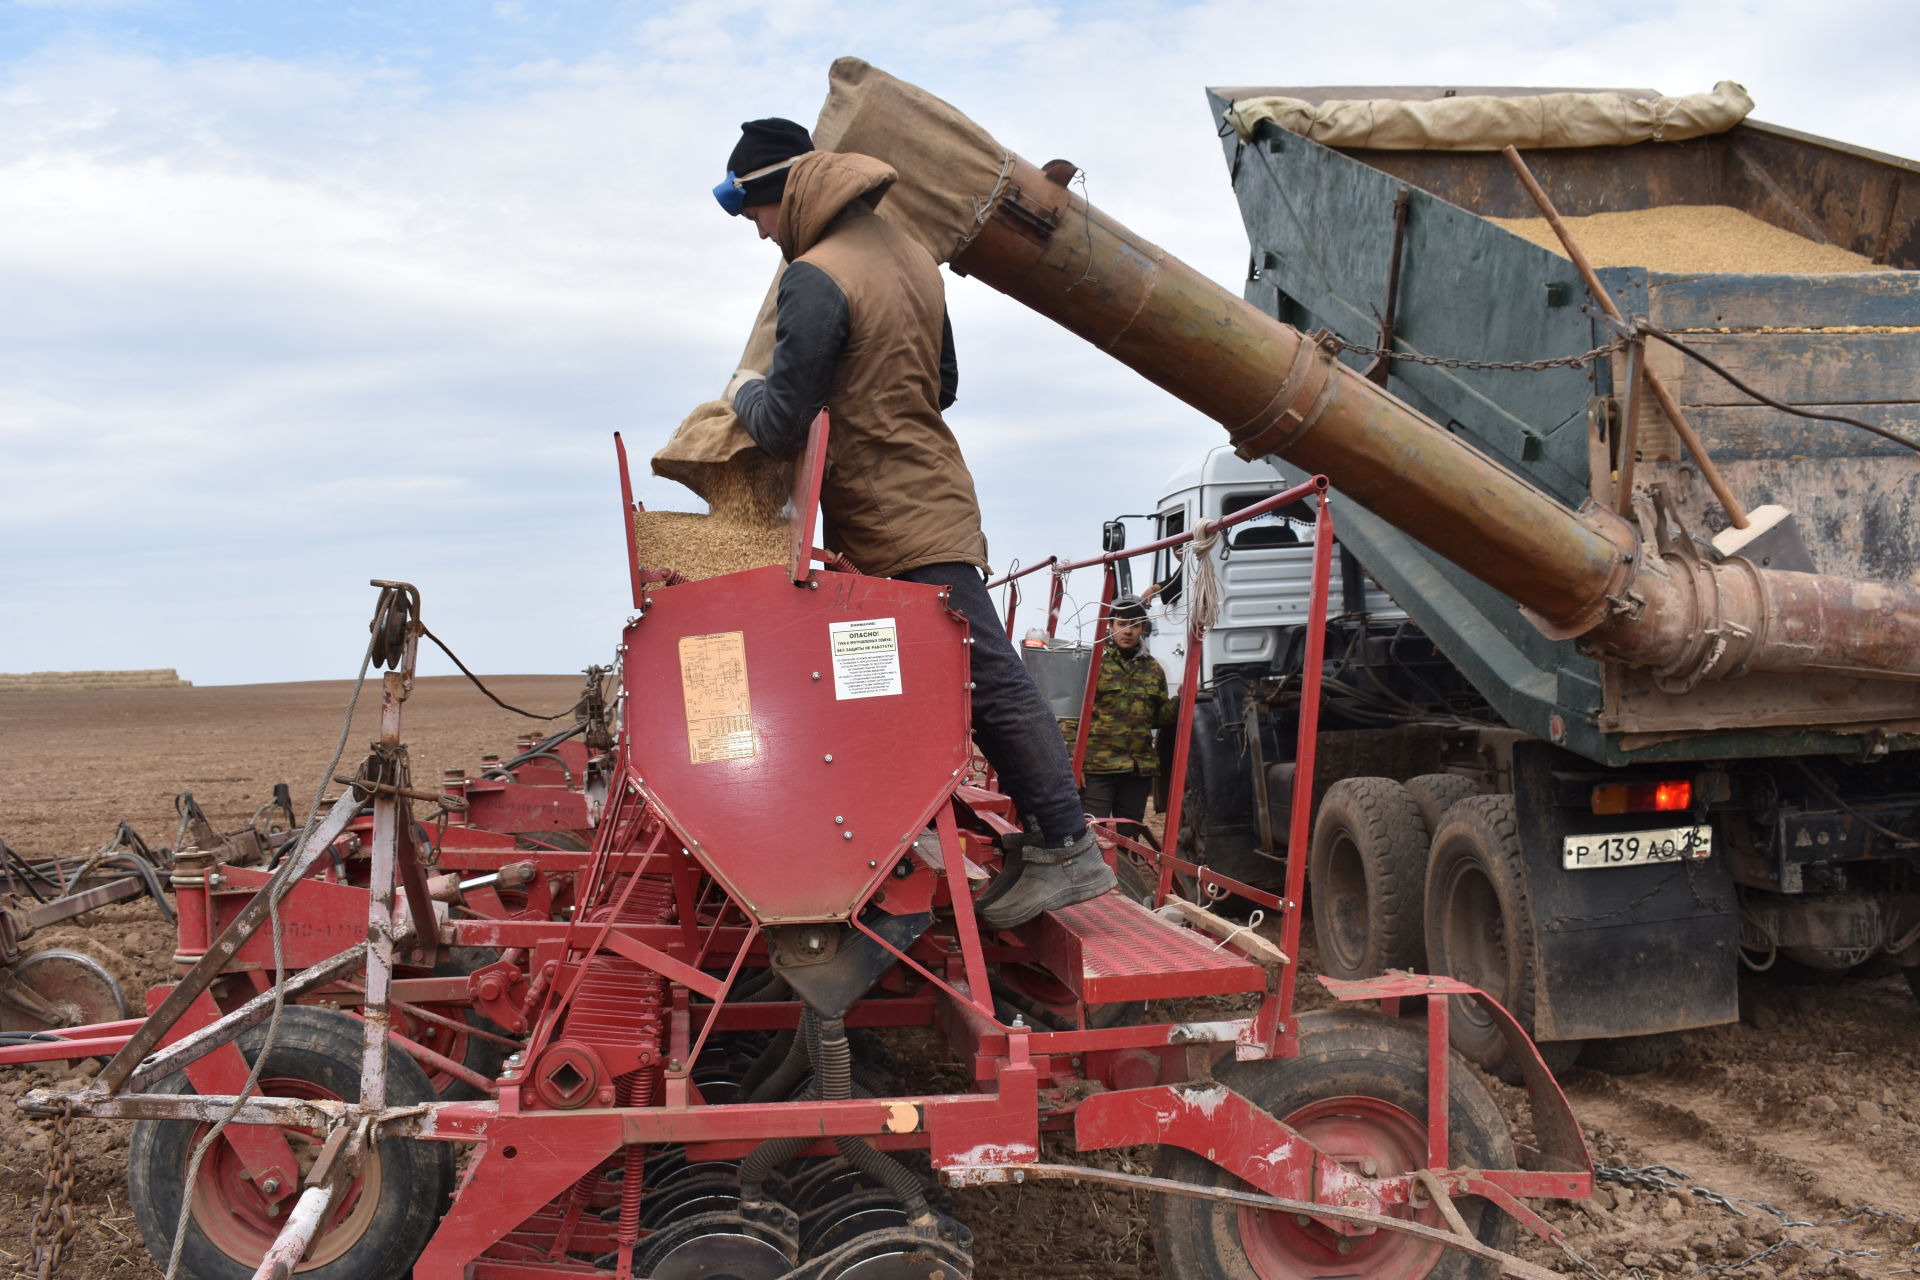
point(1603, 846)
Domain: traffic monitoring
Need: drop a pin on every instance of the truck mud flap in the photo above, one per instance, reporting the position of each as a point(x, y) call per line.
point(1626, 950)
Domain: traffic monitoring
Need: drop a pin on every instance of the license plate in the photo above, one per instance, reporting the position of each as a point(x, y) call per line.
point(1636, 848)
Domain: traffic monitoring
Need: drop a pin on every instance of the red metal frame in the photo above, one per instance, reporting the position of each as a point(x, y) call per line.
point(602, 964)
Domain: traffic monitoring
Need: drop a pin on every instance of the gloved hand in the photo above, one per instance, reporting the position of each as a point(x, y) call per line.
point(741, 377)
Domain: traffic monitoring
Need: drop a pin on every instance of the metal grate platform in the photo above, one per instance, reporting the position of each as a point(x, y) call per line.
point(1113, 949)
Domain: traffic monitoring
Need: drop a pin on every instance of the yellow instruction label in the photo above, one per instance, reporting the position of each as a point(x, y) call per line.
point(713, 679)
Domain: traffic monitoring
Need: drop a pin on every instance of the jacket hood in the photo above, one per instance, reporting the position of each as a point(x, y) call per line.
point(820, 186)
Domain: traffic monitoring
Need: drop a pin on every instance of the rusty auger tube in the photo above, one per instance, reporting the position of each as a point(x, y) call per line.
point(1579, 573)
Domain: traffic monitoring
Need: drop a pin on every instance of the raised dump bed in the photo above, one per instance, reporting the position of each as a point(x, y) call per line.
point(1789, 259)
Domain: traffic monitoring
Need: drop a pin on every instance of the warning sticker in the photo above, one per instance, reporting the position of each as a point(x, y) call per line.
point(713, 680)
point(866, 658)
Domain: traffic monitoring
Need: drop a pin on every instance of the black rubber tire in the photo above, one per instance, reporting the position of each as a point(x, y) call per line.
point(1435, 793)
point(1630, 1055)
point(1344, 1053)
point(476, 1054)
point(1365, 871)
point(1480, 930)
point(320, 1049)
point(1217, 784)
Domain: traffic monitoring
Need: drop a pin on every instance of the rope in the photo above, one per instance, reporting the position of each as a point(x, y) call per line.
point(1203, 581)
point(983, 209)
point(274, 889)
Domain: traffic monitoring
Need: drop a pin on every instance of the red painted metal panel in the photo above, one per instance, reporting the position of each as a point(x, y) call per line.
point(1227, 1129)
point(1113, 949)
point(808, 794)
point(318, 919)
point(498, 805)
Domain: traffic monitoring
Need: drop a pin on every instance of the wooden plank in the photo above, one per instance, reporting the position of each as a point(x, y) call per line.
point(1798, 368)
point(1758, 433)
point(1238, 936)
point(1711, 302)
point(1768, 700)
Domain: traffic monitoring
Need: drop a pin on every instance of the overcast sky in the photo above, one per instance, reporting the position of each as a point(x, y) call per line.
point(294, 294)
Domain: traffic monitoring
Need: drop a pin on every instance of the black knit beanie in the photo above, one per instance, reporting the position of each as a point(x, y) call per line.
point(763, 143)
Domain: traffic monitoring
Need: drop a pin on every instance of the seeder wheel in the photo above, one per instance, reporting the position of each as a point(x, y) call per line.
point(377, 1227)
point(710, 1245)
point(72, 990)
point(895, 1255)
point(1358, 1092)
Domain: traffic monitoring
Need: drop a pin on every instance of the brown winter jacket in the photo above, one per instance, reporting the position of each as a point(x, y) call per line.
point(897, 494)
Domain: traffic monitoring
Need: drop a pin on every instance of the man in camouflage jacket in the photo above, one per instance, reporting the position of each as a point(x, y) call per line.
point(1129, 705)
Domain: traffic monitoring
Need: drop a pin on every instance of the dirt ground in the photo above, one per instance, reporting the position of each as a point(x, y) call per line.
point(1788, 1144)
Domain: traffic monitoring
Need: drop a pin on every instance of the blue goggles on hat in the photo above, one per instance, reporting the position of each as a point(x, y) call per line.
point(731, 195)
point(731, 191)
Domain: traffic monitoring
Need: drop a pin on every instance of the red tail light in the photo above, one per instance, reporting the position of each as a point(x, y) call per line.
point(1643, 797)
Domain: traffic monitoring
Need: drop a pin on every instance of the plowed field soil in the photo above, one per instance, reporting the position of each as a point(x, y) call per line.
point(1785, 1145)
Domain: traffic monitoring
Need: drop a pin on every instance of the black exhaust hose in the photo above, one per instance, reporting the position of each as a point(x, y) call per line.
point(801, 1049)
point(760, 1163)
point(833, 1079)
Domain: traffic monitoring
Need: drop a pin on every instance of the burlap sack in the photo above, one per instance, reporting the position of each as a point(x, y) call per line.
point(949, 171)
point(1488, 124)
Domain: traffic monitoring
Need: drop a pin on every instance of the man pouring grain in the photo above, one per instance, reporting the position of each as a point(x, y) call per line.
point(862, 331)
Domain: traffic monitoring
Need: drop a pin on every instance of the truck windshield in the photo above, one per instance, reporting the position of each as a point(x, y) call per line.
point(1166, 561)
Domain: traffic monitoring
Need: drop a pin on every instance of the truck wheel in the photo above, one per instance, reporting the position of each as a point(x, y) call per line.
point(376, 1228)
point(1358, 1089)
point(1480, 930)
point(1435, 793)
point(1366, 867)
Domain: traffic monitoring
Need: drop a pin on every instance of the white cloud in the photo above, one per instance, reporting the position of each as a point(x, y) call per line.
point(277, 324)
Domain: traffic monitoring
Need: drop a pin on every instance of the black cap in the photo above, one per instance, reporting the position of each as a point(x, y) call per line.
point(1128, 609)
point(764, 143)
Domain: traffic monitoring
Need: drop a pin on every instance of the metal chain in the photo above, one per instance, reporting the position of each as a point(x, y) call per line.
point(1335, 343)
point(53, 1223)
point(1660, 1177)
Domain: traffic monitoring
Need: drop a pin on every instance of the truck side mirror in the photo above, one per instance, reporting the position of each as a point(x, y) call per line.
point(1113, 535)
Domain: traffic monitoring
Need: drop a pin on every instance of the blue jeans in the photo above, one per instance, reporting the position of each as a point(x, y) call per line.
point(1012, 723)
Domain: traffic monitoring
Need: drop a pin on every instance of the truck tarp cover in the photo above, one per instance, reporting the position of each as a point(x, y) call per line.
point(949, 168)
point(1489, 123)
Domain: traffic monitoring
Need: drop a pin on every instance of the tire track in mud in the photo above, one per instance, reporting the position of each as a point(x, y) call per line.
point(1810, 1105)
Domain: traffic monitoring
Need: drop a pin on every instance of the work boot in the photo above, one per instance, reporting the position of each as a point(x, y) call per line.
point(1052, 876)
point(1013, 858)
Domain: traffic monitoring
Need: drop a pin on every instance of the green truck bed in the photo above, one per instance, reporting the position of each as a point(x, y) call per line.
point(1321, 226)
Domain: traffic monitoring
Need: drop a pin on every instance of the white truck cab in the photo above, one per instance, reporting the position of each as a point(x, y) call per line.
point(1264, 568)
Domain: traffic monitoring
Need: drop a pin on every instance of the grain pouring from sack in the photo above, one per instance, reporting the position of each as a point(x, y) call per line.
point(743, 528)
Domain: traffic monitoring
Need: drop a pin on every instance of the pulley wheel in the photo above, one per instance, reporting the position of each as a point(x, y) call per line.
point(713, 1246)
point(78, 988)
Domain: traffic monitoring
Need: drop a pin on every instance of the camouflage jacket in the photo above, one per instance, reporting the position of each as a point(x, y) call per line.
point(1130, 704)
